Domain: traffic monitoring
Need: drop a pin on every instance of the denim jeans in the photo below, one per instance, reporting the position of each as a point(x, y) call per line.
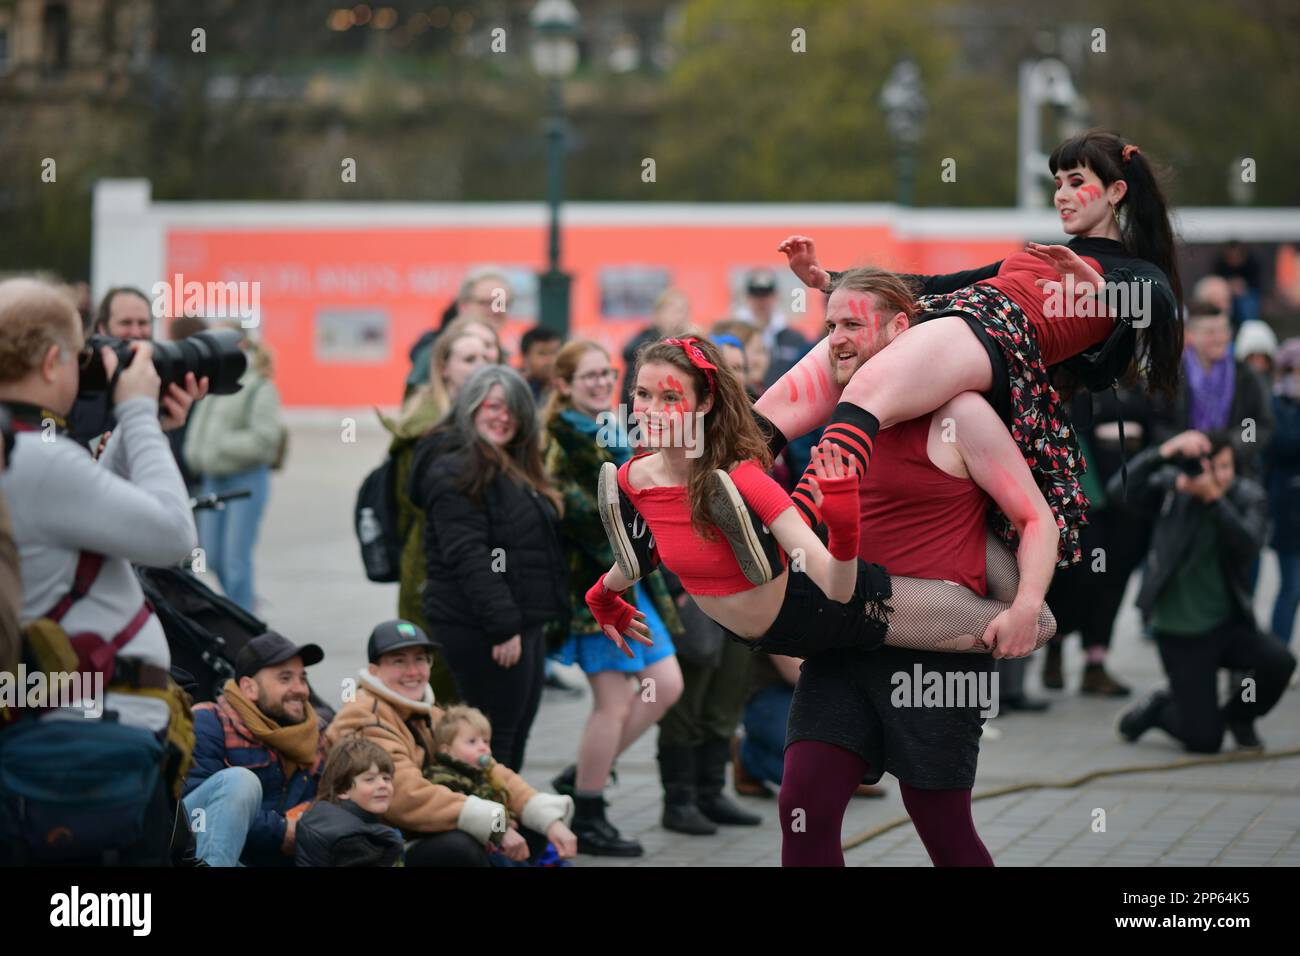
point(763, 749)
point(229, 535)
point(229, 800)
point(1288, 595)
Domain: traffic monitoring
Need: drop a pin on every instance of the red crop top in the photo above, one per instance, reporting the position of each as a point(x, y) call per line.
point(1060, 337)
point(706, 568)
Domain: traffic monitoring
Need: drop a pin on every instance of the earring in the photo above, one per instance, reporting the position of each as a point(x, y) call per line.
point(1114, 211)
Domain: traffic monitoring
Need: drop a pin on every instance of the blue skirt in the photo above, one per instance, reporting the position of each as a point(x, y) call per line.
point(596, 652)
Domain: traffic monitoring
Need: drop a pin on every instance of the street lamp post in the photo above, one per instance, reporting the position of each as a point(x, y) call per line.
point(905, 106)
point(1045, 81)
point(555, 57)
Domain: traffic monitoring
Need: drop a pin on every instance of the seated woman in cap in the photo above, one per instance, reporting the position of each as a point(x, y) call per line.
point(394, 707)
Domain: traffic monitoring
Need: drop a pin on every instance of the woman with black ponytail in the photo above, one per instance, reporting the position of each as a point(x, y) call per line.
point(1094, 310)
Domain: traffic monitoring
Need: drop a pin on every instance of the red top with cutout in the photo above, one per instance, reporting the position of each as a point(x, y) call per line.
point(706, 568)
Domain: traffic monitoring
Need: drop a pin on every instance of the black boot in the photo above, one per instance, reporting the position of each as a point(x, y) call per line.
point(1142, 716)
point(710, 777)
point(596, 835)
point(677, 771)
point(566, 781)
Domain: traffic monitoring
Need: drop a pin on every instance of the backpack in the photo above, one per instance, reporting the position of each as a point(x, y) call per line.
point(375, 522)
point(77, 789)
point(74, 790)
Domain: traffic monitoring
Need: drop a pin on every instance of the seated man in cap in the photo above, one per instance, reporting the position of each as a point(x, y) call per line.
point(258, 754)
point(394, 707)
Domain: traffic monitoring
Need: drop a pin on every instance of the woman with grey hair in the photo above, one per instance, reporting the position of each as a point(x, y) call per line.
point(496, 571)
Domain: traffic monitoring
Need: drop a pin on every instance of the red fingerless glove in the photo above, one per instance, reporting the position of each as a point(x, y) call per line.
point(841, 514)
point(608, 607)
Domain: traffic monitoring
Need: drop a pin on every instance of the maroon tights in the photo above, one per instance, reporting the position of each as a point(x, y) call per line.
point(816, 787)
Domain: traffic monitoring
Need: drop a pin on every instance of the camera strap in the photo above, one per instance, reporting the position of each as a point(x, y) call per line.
point(108, 404)
point(99, 654)
point(34, 418)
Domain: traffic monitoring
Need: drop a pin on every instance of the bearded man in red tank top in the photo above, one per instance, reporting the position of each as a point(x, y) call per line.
point(925, 514)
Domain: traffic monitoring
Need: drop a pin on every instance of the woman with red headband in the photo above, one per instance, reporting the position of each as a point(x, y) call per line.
point(706, 446)
point(1109, 298)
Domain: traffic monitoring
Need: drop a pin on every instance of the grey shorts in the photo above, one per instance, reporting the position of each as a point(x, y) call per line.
point(845, 698)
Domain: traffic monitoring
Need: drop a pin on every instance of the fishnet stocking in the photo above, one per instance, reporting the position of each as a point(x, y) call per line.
point(931, 615)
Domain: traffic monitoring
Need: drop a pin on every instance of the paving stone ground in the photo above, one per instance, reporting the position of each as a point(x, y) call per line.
point(312, 587)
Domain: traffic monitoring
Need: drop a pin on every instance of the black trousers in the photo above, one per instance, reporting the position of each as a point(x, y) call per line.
point(509, 696)
point(1192, 714)
point(1088, 601)
point(712, 701)
point(453, 848)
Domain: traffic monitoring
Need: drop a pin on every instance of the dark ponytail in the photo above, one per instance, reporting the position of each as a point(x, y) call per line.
point(1145, 232)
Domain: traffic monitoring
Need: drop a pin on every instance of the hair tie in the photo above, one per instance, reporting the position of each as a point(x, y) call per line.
point(696, 357)
point(1128, 151)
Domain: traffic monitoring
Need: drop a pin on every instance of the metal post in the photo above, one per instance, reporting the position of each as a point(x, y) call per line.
point(553, 285)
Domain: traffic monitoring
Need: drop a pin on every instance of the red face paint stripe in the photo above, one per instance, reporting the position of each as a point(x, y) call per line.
point(1088, 193)
point(794, 390)
point(821, 379)
point(808, 381)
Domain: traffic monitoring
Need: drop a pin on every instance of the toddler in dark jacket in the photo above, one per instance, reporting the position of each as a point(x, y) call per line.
point(344, 827)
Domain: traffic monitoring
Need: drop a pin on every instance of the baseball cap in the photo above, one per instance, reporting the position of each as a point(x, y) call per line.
point(273, 648)
point(393, 636)
point(761, 282)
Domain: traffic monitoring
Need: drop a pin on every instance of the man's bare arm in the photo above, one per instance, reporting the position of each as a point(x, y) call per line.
point(996, 464)
point(803, 398)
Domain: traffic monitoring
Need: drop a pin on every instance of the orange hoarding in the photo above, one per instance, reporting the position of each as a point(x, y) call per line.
point(340, 307)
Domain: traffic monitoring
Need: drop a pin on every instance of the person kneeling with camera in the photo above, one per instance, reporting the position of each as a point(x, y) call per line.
point(79, 525)
point(1209, 528)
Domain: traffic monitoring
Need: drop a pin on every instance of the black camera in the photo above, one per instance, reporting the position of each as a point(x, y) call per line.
point(214, 353)
point(1192, 467)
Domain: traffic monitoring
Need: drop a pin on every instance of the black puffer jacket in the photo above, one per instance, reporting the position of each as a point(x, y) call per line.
point(342, 834)
point(496, 565)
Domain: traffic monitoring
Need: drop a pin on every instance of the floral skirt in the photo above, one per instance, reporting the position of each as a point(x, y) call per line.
point(1039, 422)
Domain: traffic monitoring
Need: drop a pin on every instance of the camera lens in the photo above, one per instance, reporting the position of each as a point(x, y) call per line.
point(214, 353)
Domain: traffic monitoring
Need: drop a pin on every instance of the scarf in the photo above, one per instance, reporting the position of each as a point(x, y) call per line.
point(299, 744)
point(1209, 391)
point(588, 426)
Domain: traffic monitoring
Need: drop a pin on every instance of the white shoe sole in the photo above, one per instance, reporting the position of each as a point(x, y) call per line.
point(611, 516)
point(729, 512)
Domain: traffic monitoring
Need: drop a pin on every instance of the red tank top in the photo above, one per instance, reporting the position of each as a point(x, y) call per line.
point(1060, 336)
point(706, 568)
point(918, 520)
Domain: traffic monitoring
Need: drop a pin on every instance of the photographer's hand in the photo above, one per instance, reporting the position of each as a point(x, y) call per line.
point(176, 402)
point(139, 379)
point(1188, 444)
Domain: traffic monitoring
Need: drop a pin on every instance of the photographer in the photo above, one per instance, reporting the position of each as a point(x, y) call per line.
point(125, 313)
point(75, 518)
point(1209, 527)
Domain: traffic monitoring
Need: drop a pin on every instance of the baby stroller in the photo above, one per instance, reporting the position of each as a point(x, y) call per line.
point(205, 630)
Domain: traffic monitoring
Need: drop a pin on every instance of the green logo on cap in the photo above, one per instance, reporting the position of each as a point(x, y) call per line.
point(407, 629)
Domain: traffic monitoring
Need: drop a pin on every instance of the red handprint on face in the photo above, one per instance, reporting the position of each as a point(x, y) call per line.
point(1087, 194)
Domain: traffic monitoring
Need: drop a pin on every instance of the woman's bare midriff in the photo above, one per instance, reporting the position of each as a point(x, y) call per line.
point(750, 613)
